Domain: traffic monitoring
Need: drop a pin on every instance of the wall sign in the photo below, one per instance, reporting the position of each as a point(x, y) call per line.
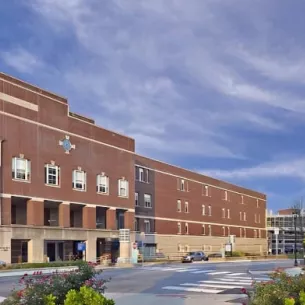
point(66, 144)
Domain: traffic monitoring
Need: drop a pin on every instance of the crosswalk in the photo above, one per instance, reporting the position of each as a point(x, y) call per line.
point(225, 280)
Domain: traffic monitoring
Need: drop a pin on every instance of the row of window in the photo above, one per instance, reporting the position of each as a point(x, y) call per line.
point(225, 212)
point(147, 200)
point(21, 170)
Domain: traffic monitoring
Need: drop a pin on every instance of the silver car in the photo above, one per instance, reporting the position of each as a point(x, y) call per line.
point(194, 256)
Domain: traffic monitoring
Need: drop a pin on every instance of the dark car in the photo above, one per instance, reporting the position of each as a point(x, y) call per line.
point(194, 256)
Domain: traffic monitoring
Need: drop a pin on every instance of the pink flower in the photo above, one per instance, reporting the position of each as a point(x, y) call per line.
point(243, 290)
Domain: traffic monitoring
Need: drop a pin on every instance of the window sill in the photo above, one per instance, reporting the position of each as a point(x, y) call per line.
point(104, 194)
point(148, 207)
point(120, 196)
point(79, 190)
point(52, 185)
point(21, 180)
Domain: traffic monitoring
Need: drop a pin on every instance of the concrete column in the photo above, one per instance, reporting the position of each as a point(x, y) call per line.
point(64, 215)
point(91, 249)
point(6, 211)
point(111, 219)
point(89, 217)
point(36, 250)
point(129, 220)
point(5, 244)
point(35, 213)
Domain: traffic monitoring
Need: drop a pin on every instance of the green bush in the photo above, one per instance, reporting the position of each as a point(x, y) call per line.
point(235, 254)
point(41, 265)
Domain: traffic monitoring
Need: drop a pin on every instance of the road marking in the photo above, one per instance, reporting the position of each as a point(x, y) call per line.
point(214, 285)
point(236, 281)
point(189, 289)
point(220, 272)
point(236, 274)
point(203, 271)
point(221, 282)
point(187, 270)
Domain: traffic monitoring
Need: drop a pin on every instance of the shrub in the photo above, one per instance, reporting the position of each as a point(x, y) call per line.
point(236, 254)
point(54, 288)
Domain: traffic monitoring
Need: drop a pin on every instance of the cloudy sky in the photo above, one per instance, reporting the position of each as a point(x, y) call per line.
point(216, 86)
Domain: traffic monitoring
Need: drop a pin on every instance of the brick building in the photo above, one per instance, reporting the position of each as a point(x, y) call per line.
point(64, 180)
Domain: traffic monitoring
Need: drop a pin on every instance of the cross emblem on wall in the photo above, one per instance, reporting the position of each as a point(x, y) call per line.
point(66, 144)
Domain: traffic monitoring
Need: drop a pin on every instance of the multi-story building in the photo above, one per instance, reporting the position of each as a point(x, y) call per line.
point(64, 180)
point(290, 228)
point(180, 211)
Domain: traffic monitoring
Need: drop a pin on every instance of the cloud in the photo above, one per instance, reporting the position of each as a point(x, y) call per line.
point(21, 60)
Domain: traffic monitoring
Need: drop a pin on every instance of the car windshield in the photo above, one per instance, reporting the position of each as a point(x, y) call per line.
point(191, 253)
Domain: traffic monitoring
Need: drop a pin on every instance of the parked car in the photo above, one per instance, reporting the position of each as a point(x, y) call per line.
point(194, 256)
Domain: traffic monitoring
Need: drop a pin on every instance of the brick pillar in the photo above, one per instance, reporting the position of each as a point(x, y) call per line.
point(111, 219)
point(64, 215)
point(129, 220)
point(35, 213)
point(89, 217)
point(6, 211)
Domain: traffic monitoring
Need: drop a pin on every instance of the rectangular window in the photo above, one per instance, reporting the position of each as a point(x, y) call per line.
point(228, 213)
point(225, 195)
point(146, 175)
point(147, 226)
point(186, 228)
point(255, 234)
point(179, 227)
point(186, 207)
point(242, 199)
point(182, 185)
point(241, 232)
point(141, 174)
point(259, 218)
point(210, 210)
point(223, 213)
point(205, 190)
point(123, 186)
point(102, 184)
point(147, 200)
point(257, 203)
point(240, 216)
point(223, 231)
point(245, 216)
point(228, 229)
point(210, 230)
point(259, 233)
point(245, 232)
point(255, 218)
point(178, 205)
point(21, 169)
point(79, 180)
point(52, 175)
point(136, 198)
point(203, 230)
point(203, 209)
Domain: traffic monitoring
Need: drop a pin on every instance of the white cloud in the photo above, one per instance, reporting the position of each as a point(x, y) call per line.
point(21, 60)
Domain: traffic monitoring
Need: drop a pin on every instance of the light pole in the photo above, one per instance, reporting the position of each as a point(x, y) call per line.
point(295, 215)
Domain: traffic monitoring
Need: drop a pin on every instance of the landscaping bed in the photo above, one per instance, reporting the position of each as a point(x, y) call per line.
point(83, 286)
point(40, 265)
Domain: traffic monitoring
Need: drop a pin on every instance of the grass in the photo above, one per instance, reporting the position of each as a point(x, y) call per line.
point(41, 265)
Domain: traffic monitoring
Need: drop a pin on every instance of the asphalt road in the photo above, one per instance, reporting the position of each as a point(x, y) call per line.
point(182, 283)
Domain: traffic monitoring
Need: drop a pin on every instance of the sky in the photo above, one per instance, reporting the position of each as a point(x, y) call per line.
point(215, 86)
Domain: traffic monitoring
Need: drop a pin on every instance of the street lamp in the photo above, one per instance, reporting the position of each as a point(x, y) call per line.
point(295, 215)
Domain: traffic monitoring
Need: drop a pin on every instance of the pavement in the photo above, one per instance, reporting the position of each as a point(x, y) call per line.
point(181, 284)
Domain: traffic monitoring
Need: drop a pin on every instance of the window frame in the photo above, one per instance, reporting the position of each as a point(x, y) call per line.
point(210, 210)
point(179, 206)
point(223, 213)
point(186, 228)
point(203, 210)
point(27, 169)
point(179, 231)
point(146, 221)
point(47, 167)
point(150, 201)
point(203, 230)
point(74, 180)
point(99, 184)
point(124, 181)
point(186, 207)
point(205, 189)
point(136, 199)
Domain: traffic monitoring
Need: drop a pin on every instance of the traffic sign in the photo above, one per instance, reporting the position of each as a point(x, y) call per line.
point(81, 247)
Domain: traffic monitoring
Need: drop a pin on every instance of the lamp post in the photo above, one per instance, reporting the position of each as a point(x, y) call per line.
point(295, 215)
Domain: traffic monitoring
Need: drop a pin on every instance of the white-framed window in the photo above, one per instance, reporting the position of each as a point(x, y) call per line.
point(52, 174)
point(136, 199)
point(141, 174)
point(210, 230)
point(79, 178)
point(223, 213)
point(21, 169)
point(147, 201)
point(223, 231)
point(240, 232)
point(186, 207)
point(242, 199)
point(123, 188)
point(203, 209)
point(179, 206)
point(228, 230)
point(259, 218)
point(245, 232)
point(255, 234)
point(228, 213)
point(225, 195)
point(182, 185)
point(186, 228)
point(210, 210)
point(102, 184)
point(240, 216)
point(245, 216)
point(179, 228)
point(255, 218)
point(147, 226)
point(203, 230)
point(205, 190)
point(257, 203)
point(259, 234)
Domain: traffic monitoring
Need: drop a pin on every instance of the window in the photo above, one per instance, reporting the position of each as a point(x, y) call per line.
point(257, 203)
point(203, 209)
point(245, 216)
point(182, 185)
point(147, 226)
point(245, 232)
point(223, 213)
point(242, 199)
point(136, 225)
point(225, 195)
point(102, 184)
point(228, 213)
point(210, 210)
point(21, 169)
point(241, 232)
point(186, 207)
point(240, 216)
point(228, 228)
point(141, 174)
point(223, 231)
point(210, 230)
point(255, 234)
point(52, 175)
point(203, 230)
point(178, 205)
point(205, 190)
point(180, 248)
point(123, 188)
point(147, 200)
point(186, 228)
point(259, 218)
point(179, 227)
point(79, 180)
point(136, 198)
point(259, 234)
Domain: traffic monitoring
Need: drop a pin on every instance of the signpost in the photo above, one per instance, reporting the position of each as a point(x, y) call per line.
point(82, 248)
point(142, 240)
point(276, 233)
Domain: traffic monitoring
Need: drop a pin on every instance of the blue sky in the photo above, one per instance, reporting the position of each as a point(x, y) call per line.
point(214, 86)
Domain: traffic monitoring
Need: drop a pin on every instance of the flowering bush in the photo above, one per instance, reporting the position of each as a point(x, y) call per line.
point(42, 290)
point(282, 289)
